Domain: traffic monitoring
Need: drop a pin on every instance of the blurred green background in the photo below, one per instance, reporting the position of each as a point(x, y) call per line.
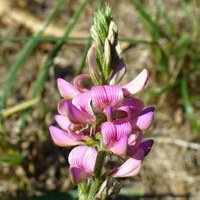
point(43, 40)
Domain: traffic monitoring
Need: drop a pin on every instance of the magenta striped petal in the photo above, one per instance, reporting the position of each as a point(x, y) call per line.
point(108, 131)
point(63, 122)
point(78, 174)
point(67, 90)
point(82, 160)
point(134, 142)
point(83, 102)
point(115, 136)
point(137, 84)
point(144, 119)
point(108, 113)
point(120, 147)
point(66, 125)
point(102, 96)
point(130, 107)
point(123, 128)
point(77, 82)
point(75, 115)
point(132, 166)
point(146, 146)
point(64, 139)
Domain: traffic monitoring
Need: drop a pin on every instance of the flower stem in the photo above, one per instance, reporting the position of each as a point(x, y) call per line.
point(99, 163)
point(82, 191)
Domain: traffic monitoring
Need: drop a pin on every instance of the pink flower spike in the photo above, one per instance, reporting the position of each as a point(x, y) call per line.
point(67, 90)
point(82, 160)
point(102, 96)
point(77, 82)
point(75, 115)
point(137, 84)
point(64, 139)
point(144, 119)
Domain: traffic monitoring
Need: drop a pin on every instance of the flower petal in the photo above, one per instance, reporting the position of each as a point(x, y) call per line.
point(77, 82)
point(75, 115)
point(83, 102)
point(76, 156)
point(92, 65)
point(78, 174)
point(144, 119)
point(118, 72)
point(89, 159)
point(134, 142)
point(137, 84)
point(132, 166)
point(120, 147)
point(63, 122)
point(64, 139)
point(102, 96)
point(115, 136)
point(108, 113)
point(130, 107)
point(108, 131)
point(67, 90)
point(146, 146)
point(82, 160)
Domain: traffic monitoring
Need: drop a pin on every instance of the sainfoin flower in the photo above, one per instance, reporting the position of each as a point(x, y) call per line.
point(82, 161)
point(105, 120)
point(107, 111)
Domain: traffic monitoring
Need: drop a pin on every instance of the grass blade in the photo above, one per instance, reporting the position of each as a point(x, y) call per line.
point(23, 55)
point(9, 111)
point(12, 160)
point(87, 46)
point(43, 74)
point(188, 105)
point(40, 38)
point(148, 22)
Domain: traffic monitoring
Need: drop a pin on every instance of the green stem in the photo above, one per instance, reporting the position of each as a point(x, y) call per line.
point(82, 191)
point(99, 163)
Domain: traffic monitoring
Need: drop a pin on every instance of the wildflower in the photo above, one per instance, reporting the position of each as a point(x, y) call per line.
point(115, 136)
point(103, 121)
point(82, 162)
point(64, 139)
point(133, 164)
